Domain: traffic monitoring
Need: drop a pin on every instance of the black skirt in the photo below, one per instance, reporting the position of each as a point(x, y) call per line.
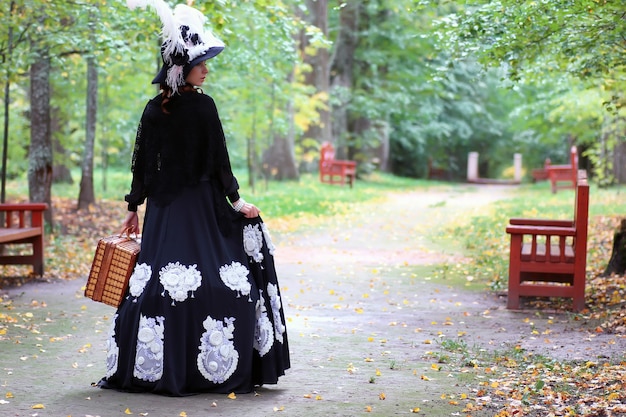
point(203, 311)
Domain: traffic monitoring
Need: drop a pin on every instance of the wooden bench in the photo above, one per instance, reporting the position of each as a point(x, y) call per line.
point(548, 258)
point(564, 176)
point(334, 171)
point(435, 172)
point(541, 174)
point(23, 224)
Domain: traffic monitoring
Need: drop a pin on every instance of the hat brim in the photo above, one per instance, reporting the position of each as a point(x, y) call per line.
point(210, 53)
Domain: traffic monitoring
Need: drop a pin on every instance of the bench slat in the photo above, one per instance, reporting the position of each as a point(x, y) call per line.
point(15, 234)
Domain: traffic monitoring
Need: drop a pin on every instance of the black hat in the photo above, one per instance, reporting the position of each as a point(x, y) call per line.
point(186, 42)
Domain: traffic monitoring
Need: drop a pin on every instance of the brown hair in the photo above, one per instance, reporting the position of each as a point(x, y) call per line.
point(166, 93)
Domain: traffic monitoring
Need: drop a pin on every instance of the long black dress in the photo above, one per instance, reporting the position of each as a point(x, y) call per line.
point(204, 311)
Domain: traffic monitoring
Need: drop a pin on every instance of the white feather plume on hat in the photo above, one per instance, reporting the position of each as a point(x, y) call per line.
point(184, 39)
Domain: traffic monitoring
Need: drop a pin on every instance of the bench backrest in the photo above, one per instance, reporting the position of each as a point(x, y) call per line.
point(581, 212)
point(573, 158)
point(22, 215)
point(327, 155)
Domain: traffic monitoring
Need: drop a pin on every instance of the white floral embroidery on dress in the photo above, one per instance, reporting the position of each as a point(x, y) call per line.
point(112, 350)
point(138, 280)
point(268, 239)
point(149, 354)
point(279, 326)
point(263, 332)
point(235, 276)
point(218, 358)
point(253, 242)
point(178, 280)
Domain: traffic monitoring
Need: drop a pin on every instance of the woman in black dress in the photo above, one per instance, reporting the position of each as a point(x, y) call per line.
point(203, 311)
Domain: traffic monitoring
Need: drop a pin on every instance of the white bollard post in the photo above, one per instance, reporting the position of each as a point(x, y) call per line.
point(472, 166)
point(517, 167)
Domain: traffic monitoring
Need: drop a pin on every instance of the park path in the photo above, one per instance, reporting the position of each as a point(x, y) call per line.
point(362, 312)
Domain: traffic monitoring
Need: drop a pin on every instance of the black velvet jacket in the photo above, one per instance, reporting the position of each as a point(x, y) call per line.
point(179, 148)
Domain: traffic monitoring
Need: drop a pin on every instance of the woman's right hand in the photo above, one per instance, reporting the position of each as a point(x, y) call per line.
point(131, 223)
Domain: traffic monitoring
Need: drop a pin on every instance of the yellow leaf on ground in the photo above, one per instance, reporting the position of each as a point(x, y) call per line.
point(8, 395)
point(382, 396)
point(38, 407)
point(182, 414)
point(127, 411)
point(415, 410)
point(368, 409)
point(232, 396)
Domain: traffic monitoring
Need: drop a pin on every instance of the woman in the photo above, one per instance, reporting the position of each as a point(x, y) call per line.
point(203, 312)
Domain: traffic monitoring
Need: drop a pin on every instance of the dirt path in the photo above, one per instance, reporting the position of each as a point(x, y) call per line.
point(361, 321)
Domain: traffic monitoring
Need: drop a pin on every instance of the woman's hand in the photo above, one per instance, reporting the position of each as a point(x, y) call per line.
point(249, 211)
point(131, 223)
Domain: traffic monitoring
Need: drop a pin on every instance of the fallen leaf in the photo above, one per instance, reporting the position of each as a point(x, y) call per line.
point(127, 411)
point(38, 407)
point(232, 396)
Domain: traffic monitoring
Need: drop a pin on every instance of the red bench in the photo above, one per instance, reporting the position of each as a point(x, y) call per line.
point(541, 174)
point(23, 224)
point(564, 176)
point(334, 171)
point(437, 172)
point(548, 258)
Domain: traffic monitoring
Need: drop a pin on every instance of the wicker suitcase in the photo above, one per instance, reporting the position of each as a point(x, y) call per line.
point(111, 269)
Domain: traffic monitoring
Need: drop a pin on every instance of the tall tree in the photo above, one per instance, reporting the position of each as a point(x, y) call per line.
point(40, 150)
point(342, 69)
point(318, 74)
point(86, 196)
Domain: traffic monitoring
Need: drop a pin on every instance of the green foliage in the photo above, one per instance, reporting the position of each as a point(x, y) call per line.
point(565, 53)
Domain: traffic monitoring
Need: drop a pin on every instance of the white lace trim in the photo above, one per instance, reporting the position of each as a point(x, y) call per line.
point(218, 358)
point(279, 326)
point(268, 239)
point(149, 355)
point(253, 242)
point(179, 279)
point(263, 332)
point(138, 280)
point(112, 350)
point(235, 276)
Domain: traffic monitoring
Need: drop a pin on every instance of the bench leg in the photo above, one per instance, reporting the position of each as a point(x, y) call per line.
point(514, 275)
point(38, 256)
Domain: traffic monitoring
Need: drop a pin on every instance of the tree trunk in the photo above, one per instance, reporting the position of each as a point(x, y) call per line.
point(342, 68)
point(86, 196)
point(619, 162)
point(40, 152)
point(279, 160)
point(60, 171)
point(7, 100)
point(617, 263)
point(319, 76)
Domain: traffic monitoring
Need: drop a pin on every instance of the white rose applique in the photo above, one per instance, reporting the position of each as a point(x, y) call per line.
point(235, 276)
point(218, 358)
point(149, 354)
point(178, 280)
point(138, 280)
point(268, 239)
point(253, 242)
